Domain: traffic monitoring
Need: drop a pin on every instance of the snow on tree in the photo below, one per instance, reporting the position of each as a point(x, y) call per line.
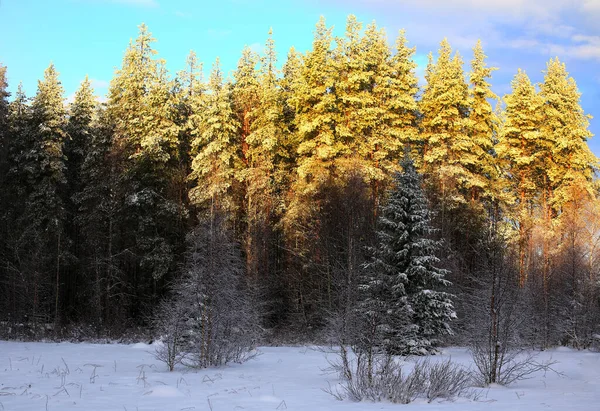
point(211, 319)
point(401, 294)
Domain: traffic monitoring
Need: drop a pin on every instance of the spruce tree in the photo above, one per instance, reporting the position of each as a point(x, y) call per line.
point(401, 290)
point(5, 199)
point(265, 152)
point(80, 129)
point(566, 127)
point(43, 217)
point(448, 150)
point(246, 96)
point(521, 159)
point(483, 128)
point(142, 110)
point(399, 98)
point(98, 217)
point(216, 149)
point(319, 141)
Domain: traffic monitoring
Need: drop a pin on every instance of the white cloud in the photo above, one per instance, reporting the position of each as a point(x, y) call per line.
point(586, 47)
point(592, 6)
point(518, 9)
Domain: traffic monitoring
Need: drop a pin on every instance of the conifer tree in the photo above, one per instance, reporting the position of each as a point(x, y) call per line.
point(263, 196)
point(5, 199)
point(520, 157)
point(448, 150)
point(483, 127)
point(246, 96)
point(363, 67)
point(401, 290)
point(99, 215)
point(395, 91)
point(216, 149)
point(400, 97)
point(569, 160)
point(188, 95)
point(319, 141)
point(142, 109)
point(44, 210)
point(81, 129)
point(288, 84)
point(4, 142)
point(4, 123)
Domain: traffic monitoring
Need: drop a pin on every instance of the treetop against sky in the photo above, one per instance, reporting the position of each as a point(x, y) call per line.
point(90, 36)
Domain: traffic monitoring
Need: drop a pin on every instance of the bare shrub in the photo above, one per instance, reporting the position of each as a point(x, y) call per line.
point(211, 319)
point(170, 324)
point(383, 378)
point(512, 365)
point(498, 313)
point(446, 380)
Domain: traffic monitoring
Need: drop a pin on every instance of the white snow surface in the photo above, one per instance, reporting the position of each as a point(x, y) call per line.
point(93, 377)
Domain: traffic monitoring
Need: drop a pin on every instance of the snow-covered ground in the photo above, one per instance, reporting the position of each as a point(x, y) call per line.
point(90, 377)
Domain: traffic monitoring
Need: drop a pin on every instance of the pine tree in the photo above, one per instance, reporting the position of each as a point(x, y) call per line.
point(44, 211)
point(5, 198)
point(401, 288)
point(4, 123)
point(216, 149)
point(99, 216)
point(246, 96)
point(265, 152)
point(448, 150)
point(4, 144)
point(521, 159)
point(188, 95)
point(319, 141)
point(362, 91)
point(395, 91)
point(569, 160)
point(80, 130)
point(288, 85)
point(399, 97)
point(483, 127)
point(143, 111)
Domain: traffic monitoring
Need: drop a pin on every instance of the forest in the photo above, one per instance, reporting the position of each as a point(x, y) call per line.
point(300, 194)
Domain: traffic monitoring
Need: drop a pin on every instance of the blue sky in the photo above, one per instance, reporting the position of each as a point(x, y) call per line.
point(89, 36)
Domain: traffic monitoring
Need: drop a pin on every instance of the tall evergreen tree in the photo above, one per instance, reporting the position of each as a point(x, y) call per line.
point(399, 98)
point(483, 127)
point(265, 151)
point(5, 220)
point(569, 160)
point(320, 144)
point(43, 217)
point(142, 108)
point(401, 291)
point(448, 150)
point(216, 149)
point(80, 128)
point(99, 215)
point(521, 158)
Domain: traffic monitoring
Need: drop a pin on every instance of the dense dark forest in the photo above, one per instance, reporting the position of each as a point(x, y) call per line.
point(296, 177)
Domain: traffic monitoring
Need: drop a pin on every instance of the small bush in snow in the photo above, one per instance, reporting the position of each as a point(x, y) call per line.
point(383, 378)
point(211, 318)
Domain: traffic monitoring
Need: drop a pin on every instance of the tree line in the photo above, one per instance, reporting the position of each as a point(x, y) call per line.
point(298, 160)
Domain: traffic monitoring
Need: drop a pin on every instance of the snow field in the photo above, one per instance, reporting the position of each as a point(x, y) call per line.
point(92, 377)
